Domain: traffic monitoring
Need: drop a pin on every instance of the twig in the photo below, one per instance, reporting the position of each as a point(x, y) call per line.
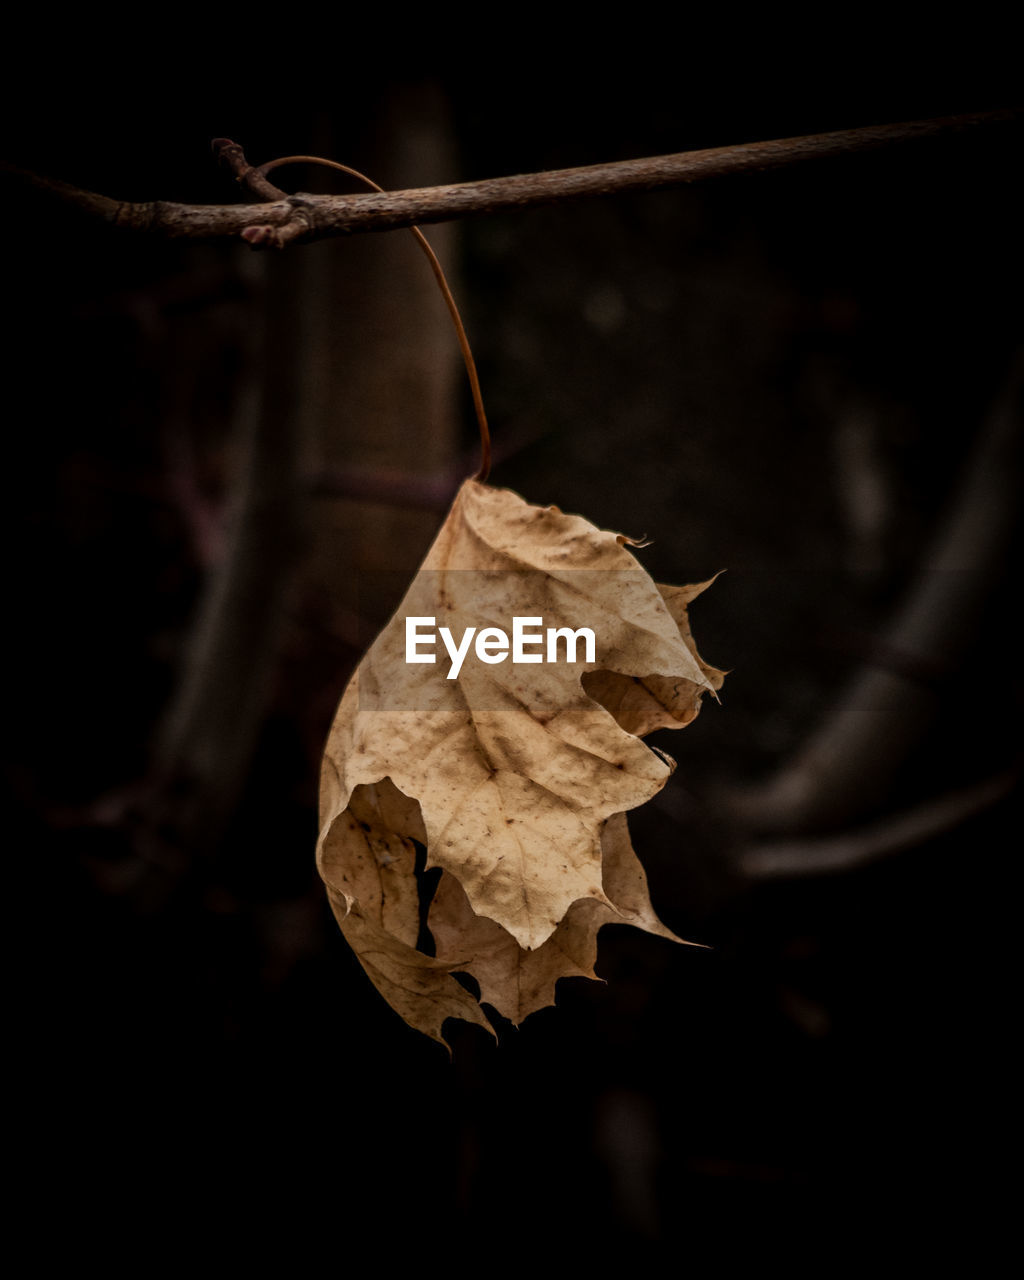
point(231, 154)
point(306, 218)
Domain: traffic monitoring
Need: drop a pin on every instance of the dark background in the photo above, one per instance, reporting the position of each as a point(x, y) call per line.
point(200, 1057)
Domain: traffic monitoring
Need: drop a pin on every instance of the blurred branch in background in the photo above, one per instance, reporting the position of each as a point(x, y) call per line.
point(317, 391)
point(211, 724)
point(846, 767)
point(858, 847)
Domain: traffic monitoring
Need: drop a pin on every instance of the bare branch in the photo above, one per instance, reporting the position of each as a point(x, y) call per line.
point(284, 219)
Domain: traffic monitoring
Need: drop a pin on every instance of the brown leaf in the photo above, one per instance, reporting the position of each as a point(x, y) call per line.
point(518, 982)
point(517, 767)
point(657, 702)
point(367, 861)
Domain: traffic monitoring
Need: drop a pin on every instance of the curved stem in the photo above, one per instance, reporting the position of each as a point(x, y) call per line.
point(435, 266)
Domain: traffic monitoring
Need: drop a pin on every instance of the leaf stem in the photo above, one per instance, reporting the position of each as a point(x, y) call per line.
point(435, 266)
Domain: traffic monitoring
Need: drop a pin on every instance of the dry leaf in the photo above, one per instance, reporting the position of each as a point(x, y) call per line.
point(515, 775)
point(658, 702)
point(367, 860)
point(518, 982)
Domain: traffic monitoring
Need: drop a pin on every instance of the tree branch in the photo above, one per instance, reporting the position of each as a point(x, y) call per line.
point(307, 217)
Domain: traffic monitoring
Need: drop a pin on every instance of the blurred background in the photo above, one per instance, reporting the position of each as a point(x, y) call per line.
point(809, 379)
